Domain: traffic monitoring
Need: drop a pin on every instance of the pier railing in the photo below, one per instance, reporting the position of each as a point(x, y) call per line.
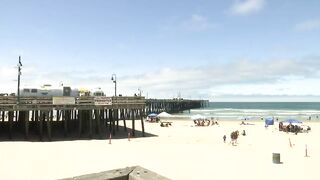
point(10, 102)
point(84, 102)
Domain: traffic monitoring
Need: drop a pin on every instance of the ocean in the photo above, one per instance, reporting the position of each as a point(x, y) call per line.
point(257, 110)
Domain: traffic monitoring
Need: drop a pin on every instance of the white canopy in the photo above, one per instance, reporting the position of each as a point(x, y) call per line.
point(197, 116)
point(164, 114)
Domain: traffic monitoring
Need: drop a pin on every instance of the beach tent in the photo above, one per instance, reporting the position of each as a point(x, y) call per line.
point(198, 116)
point(291, 121)
point(269, 121)
point(152, 115)
point(164, 114)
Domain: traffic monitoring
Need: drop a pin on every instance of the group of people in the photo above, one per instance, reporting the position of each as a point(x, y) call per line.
point(165, 124)
point(234, 136)
point(291, 128)
point(153, 119)
point(205, 122)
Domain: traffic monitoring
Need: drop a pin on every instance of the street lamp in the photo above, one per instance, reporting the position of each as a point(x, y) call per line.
point(114, 79)
point(140, 91)
point(19, 74)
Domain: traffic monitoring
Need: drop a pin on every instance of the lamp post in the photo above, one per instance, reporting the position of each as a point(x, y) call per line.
point(114, 79)
point(19, 74)
point(140, 91)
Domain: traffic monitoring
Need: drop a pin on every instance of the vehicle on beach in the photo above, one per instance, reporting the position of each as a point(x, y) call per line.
point(48, 91)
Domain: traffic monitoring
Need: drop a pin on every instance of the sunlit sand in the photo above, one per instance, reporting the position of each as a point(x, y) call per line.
point(180, 151)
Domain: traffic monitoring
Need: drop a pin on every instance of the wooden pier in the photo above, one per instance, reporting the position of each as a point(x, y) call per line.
point(86, 116)
point(81, 117)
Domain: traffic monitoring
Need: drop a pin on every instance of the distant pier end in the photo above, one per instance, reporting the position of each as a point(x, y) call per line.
point(173, 105)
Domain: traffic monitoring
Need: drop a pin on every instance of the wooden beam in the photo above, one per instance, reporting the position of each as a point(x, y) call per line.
point(113, 122)
point(49, 117)
point(26, 125)
point(90, 123)
point(124, 119)
point(80, 112)
point(10, 119)
point(142, 123)
point(41, 125)
point(98, 120)
point(117, 118)
point(65, 123)
point(133, 122)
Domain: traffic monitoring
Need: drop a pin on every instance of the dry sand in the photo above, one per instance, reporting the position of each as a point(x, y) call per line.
point(181, 151)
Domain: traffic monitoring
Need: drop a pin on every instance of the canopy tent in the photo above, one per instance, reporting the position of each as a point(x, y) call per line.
point(198, 116)
point(164, 114)
point(291, 121)
point(269, 121)
point(152, 115)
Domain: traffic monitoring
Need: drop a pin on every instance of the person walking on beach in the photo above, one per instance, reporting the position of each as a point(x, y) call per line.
point(224, 138)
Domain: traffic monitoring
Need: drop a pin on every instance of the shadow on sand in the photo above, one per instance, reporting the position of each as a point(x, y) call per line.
point(59, 135)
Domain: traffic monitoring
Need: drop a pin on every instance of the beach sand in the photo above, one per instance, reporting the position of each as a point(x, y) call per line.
point(181, 151)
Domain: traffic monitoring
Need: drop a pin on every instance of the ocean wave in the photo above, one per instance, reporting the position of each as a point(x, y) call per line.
point(254, 113)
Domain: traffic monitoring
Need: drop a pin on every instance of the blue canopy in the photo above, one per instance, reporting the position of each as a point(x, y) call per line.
point(269, 121)
point(292, 121)
point(152, 115)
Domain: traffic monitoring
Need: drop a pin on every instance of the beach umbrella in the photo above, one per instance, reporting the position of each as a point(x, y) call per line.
point(197, 116)
point(291, 121)
point(164, 114)
point(269, 121)
point(152, 115)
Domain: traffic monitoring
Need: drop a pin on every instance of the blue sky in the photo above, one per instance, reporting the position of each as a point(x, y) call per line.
point(233, 50)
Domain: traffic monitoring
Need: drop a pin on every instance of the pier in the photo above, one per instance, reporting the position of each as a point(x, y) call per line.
point(173, 105)
point(81, 117)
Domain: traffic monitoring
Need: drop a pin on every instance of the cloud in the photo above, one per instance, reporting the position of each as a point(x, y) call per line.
point(244, 77)
point(309, 25)
point(244, 7)
point(197, 23)
point(241, 77)
point(194, 23)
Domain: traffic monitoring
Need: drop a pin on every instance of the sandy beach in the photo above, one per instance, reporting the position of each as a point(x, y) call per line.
point(181, 151)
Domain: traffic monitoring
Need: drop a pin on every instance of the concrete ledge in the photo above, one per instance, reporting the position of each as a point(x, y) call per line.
point(128, 173)
point(140, 173)
point(116, 174)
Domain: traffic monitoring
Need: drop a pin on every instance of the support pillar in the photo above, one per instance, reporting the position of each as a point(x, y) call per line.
point(10, 119)
point(80, 122)
point(65, 123)
point(133, 122)
point(49, 117)
point(98, 120)
point(142, 122)
point(113, 123)
point(41, 125)
point(90, 123)
point(124, 119)
point(26, 125)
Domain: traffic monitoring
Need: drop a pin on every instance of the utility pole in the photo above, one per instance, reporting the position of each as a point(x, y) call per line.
point(19, 74)
point(114, 79)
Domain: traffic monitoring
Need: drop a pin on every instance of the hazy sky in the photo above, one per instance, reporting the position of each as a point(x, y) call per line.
point(226, 50)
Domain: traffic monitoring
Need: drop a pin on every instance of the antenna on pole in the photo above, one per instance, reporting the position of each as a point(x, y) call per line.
point(19, 74)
